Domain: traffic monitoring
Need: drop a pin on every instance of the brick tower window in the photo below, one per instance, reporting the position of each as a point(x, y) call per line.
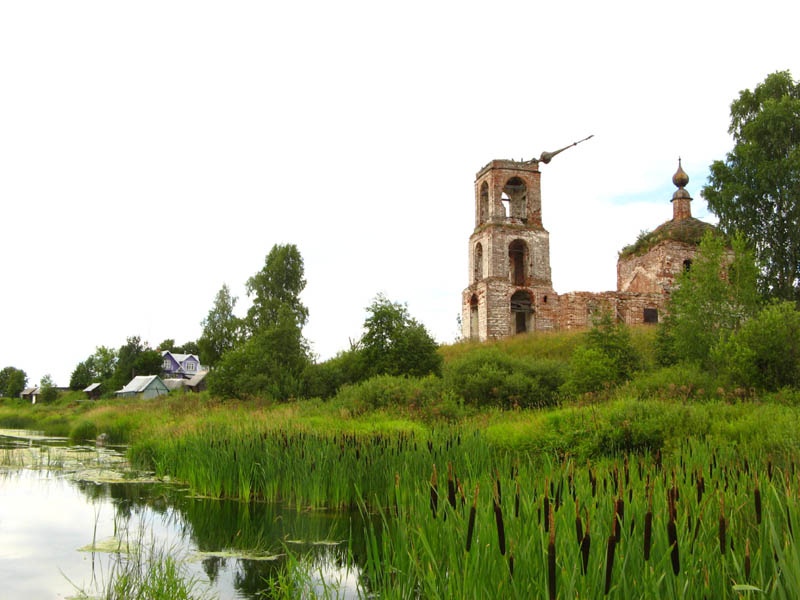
point(478, 262)
point(473, 317)
point(651, 315)
point(517, 193)
point(483, 204)
point(517, 259)
point(521, 310)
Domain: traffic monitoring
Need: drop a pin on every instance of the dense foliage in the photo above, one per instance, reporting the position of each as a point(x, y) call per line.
point(756, 190)
point(712, 300)
point(222, 329)
point(12, 382)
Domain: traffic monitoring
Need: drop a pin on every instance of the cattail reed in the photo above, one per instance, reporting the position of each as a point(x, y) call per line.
point(511, 558)
point(722, 527)
point(585, 545)
point(757, 498)
point(516, 501)
point(498, 517)
point(672, 536)
point(609, 561)
point(747, 559)
point(546, 506)
point(497, 487)
point(396, 493)
point(451, 486)
point(648, 527)
point(551, 559)
point(471, 524)
point(578, 524)
point(434, 493)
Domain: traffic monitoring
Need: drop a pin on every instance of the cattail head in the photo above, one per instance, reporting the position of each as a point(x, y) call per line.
point(757, 498)
point(551, 559)
point(609, 561)
point(471, 525)
point(747, 559)
point(722, 527)
point(498, 515)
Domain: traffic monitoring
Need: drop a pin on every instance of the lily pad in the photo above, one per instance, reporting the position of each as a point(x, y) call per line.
point(198, 555)
point(111, 545)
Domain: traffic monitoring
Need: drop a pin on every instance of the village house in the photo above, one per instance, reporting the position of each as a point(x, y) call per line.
point(180, 366)
point(143, 386)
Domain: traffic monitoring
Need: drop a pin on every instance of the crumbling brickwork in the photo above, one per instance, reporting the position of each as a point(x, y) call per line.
point(510, 289)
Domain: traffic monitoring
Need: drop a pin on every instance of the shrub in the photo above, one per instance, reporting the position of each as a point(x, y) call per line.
point(765, 352)
point(681, 381)
point(614, 340)
point(590, 370)
point(488, 377)
point(83, 430)
point(391, 390)
point(323, 380)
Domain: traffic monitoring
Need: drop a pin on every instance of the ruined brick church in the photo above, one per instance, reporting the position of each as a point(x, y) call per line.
point(510, 288)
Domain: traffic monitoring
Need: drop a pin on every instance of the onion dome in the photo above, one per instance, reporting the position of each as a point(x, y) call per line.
point(680, 179)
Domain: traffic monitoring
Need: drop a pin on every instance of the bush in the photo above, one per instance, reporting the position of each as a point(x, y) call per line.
point(614, 340)
point(488, 377)
point(323, 380)
point(83, 430)
point(765, 352)
point(384, 391)
point(681, 381)
point(590, 370)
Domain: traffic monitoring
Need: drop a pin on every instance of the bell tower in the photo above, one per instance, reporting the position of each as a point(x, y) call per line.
point(510, 289)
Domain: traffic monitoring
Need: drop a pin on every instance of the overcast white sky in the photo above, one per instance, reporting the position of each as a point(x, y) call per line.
point(151, 151)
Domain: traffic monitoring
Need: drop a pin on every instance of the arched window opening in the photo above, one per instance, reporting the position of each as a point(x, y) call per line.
point(483, 203)
point(506, 203)
point(478, 262)
point(521, 309)
point(517, 258)
point(473, 317)
point(517, 193)
point(687, 264)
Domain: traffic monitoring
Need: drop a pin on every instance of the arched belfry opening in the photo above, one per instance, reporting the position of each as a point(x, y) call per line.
point(516, 192)
point(473, 318)
point(483, 204)
point(478, 262)
point(518, 261)
point(521, 311)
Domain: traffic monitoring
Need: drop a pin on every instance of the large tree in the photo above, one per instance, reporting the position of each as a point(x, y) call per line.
point(756, 190)
point(222, 330)
point(395, 343)
point(12, 382)
point(712, 300)
point(270, 363)
point(276, 290)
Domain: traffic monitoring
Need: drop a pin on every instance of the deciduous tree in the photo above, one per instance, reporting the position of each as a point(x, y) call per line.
point(12, 382)
point(756, 190)
point(712, 300)
point(395, 343)
point(222, 330)
point(276, 289)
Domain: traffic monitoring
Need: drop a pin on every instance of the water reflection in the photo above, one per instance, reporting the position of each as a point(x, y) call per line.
point(46, 514)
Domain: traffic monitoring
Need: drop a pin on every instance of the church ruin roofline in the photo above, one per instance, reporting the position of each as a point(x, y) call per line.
point(529, 166)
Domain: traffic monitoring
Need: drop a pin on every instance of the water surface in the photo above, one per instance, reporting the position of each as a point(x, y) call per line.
point(69, 514)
